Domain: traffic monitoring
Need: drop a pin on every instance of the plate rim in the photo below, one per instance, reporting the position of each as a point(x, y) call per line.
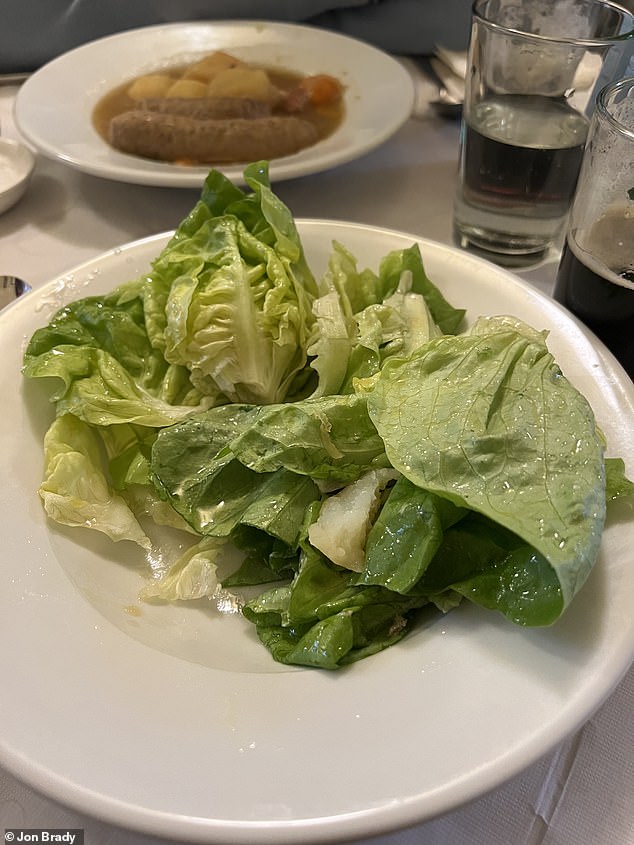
point(367, 823)
point(132, 170)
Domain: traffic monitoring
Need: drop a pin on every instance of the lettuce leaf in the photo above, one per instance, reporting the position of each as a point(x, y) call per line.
point(362, 318)
point(488, 421)
point(418, 519)
point(76, 491)
point(99, 349)
point(617, 484)
point(230, 296)
point(331, 440)
point(192, 576)
point(324, 620)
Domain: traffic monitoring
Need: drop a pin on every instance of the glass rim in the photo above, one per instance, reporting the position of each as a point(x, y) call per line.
point(602, 107)
point(588, 41)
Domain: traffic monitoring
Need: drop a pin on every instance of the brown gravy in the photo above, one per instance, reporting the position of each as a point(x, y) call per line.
point(325, 117)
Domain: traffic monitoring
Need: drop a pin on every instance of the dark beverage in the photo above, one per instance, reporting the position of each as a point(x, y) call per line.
point(521, 157)
point(601, 294)
point(526, 152)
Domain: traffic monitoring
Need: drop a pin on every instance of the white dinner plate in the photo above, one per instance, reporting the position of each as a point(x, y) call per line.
point(53, 108)
point(176, 721)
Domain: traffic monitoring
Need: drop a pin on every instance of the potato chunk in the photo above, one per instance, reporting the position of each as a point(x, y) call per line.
point(341, 529)
point(243, 82)
point(150, 85)
point(208, 67)
point(188, 88)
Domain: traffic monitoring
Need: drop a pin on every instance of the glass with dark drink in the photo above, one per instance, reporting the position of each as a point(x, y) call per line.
point(534, 70)
point(595, 279)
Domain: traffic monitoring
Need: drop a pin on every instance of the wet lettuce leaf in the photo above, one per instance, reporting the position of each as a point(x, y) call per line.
point(98, 349)
point(617, 484)
point(331, 440)
point(266, 558)
point(260, 466)
point(488, 421)
point(406, 536)
point(363, 318)
point(322, 619)
point(76, 489)
point(193, 575)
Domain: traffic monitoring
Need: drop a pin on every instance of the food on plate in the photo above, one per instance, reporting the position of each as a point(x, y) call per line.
point(219, 109)
point(370, 456)
point(177, 137)
point(207, 108)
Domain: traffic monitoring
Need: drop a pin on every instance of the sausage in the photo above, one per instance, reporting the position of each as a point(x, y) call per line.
point(206, 108)
point(170, 137)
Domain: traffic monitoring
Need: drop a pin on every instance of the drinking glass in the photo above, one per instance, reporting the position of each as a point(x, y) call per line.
point(535, 68)
point(595, 279)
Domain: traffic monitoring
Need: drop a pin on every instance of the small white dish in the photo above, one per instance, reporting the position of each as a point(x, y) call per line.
point(16, 167)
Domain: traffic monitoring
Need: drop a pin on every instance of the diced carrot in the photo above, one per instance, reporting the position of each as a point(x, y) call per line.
point(322, 89)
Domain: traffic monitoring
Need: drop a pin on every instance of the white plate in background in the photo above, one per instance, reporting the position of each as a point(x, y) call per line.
point(175, 721)
point(53, 109)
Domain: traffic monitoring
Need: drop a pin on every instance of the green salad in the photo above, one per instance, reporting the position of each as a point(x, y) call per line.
point(367, 456)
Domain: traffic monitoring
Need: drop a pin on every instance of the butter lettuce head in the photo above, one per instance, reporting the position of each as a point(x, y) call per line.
point(230, 296)
point(223, 315)
point(337, 432)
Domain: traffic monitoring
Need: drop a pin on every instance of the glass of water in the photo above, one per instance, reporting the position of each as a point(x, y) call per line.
point(535, 68)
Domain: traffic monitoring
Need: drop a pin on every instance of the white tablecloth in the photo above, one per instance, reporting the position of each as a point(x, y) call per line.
point(579, 794)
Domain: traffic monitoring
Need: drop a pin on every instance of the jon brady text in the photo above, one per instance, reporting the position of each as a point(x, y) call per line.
point(71, 837)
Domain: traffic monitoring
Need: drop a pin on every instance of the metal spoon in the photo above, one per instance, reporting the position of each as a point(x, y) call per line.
point(447, 103)
point(10, 288)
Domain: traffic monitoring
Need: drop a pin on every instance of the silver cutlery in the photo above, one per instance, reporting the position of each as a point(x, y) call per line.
point(447, 103)
point(10, 288)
